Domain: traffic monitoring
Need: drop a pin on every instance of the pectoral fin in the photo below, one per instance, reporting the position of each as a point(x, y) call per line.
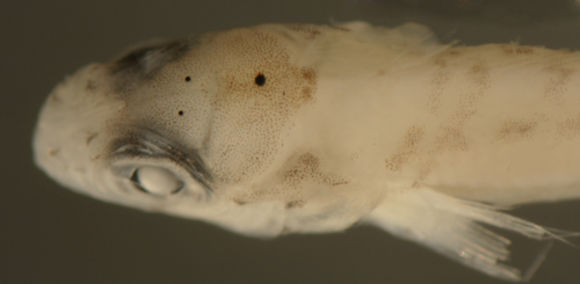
point(459, 229)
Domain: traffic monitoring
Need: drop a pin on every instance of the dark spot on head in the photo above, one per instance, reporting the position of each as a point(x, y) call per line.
point(187, 79)
point(260, 79)
point(180, 112)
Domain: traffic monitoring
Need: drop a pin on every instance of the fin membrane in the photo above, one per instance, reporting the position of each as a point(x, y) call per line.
point(459, 229)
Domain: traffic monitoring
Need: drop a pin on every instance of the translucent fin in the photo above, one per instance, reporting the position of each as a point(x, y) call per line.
point(455, 228)
point(407, 39)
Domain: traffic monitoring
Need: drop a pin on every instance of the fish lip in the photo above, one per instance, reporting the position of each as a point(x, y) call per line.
point(147, 142)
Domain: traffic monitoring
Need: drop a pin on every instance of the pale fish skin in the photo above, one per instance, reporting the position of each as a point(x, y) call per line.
point(277, 129)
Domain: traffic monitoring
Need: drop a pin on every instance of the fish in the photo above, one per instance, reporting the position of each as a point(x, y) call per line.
point(294, 128)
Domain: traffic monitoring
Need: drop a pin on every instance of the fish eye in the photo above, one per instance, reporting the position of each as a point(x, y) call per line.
point(156, 181)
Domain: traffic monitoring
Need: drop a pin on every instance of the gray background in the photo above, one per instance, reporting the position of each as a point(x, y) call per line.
point(50, 235)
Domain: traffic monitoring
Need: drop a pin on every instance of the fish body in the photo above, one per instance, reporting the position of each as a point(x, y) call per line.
point(277, 129)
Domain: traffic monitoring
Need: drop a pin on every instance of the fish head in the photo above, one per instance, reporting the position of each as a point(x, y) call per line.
point(182, 126)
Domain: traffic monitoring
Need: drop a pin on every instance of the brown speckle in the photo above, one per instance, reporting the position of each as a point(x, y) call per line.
point(480, 76)
point(570, 127)
point(451, 139)
point(329, 181)
point(90, 138)
point(476, 68)
point(281, 77)
point(295, 203)
point(341, 28)
point(440, 62)
point(516, 49)
point(524, 50)
point(454, 52)
point(54, 97)
point(467, 105)
point(53, 151)
point(311, 31)
point(309, 74)
point(259, 111)
point(240, 201)
point(560, 77)
point(298, 176)
point(306, 93)
point(407, 150)
point(514, 129)
point(413, 136)
point(440, 79)
point(307, 168)
point(396, 161)
point(91, 85)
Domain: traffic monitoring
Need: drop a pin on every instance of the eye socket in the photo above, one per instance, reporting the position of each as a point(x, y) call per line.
point(156, 181)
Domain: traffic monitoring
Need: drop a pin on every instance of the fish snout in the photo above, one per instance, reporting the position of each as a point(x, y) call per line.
point(70, 134)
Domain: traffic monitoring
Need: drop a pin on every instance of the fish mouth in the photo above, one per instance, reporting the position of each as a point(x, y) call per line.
point(146, 147)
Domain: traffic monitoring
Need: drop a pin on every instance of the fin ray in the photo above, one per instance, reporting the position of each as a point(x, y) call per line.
point(460, 229)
